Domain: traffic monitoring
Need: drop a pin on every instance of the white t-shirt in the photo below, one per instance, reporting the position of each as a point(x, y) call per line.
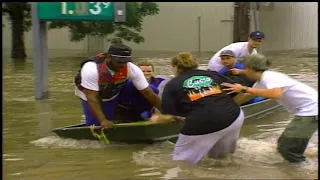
point(89, 78)
point(298, 98)
point(240, 49)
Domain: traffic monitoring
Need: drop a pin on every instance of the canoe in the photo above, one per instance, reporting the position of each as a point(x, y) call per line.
point(146, 132)
point(260, 108)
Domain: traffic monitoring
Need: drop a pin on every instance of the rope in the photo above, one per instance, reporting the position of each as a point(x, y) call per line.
point(101, 137)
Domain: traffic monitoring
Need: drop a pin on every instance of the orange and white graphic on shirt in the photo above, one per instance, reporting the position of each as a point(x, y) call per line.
point(198, 87)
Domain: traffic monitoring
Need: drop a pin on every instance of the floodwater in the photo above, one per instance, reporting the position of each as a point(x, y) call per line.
point(31, 151)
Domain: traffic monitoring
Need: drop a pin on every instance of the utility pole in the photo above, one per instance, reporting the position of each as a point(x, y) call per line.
point(241, 26)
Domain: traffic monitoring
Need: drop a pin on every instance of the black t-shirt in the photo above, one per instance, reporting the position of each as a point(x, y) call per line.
point(241, 79)
point(197, 95)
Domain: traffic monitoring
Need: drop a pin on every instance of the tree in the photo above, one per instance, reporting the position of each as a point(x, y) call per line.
point(241, 26)
point(128, 31)
point(18, 13)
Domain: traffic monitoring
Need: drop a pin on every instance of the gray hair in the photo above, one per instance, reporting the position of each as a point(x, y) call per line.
point(257, 62)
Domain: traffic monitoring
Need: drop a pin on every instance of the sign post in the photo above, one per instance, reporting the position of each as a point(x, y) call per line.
point(64, 11)
point(119, 12)
point(40, 54)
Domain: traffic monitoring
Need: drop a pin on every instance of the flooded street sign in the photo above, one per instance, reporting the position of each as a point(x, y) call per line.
point(64, 11)
point(85, 11)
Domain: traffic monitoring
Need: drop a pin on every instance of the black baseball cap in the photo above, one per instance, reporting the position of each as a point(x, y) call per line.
point(256, 35)
point(120, 52)
point(227, 53)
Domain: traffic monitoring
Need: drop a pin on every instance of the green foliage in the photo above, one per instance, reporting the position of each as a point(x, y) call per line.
point(19, 14)
point(17, 10)
point(128, 31)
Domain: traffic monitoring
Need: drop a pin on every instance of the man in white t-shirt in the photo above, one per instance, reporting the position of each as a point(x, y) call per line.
point(297, 97)
point(240, 50)
point(105, 79)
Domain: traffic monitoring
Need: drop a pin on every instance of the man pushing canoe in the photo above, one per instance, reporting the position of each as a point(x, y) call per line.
point(297, 98)
point(105, 79)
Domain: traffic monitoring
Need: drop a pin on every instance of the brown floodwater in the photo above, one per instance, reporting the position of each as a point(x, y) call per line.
point(31, 151)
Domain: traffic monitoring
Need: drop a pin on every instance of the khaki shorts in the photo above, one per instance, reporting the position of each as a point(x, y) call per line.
point(295, 138)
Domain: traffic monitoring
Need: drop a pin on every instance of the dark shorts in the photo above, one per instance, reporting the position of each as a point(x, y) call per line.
point(295, 138)
point(129, 97)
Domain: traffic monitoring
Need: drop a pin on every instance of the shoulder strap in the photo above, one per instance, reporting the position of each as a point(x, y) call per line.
point(99, 58)
point(88, 60)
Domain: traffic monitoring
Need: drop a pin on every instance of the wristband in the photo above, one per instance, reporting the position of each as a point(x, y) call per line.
point(178, 118)
point(244, 89)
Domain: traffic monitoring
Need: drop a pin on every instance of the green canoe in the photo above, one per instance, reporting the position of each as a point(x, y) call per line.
point(137, 132)
point(146, 132)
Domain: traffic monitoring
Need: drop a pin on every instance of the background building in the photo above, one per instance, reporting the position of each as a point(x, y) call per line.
point(205, 26)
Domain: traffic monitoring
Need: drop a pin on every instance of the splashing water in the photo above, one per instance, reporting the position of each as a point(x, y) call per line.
point(57, 142)
point(258, 153)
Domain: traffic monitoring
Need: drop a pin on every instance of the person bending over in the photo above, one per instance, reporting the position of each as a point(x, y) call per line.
point(103, 81)
point(212, 118)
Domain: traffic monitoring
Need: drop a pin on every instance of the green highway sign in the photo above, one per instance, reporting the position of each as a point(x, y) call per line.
point(77, 11)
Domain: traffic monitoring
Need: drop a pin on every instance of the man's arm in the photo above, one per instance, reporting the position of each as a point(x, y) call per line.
point(273, 93)
point(236, 71)
point(94, 104)
point(225, 78)
point(89, 82)
point(152, 97)
point(168, 108)
point(271, 86)
point(140, 82)
point(242, 98)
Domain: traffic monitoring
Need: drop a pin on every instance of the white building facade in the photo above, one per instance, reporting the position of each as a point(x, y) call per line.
point(205, 26)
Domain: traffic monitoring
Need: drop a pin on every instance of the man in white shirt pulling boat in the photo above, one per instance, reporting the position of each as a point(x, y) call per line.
point(297, 97)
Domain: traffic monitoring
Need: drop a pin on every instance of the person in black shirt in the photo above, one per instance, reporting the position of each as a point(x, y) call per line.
point(212, 119)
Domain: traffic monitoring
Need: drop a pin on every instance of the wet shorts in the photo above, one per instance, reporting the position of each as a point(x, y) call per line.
point(295, 138)
point(192, 149)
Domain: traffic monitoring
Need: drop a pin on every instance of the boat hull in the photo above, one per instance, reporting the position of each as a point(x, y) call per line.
point(259, 108)
point(145, 132)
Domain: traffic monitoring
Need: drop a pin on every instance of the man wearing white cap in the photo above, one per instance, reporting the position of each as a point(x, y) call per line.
point(240, 49)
